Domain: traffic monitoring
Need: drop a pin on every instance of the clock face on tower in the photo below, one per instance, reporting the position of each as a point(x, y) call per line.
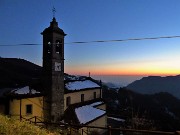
point(57, 66)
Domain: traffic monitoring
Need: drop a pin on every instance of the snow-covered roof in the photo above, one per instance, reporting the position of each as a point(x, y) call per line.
point(88, 112)
point(25, 90)
point(97, 103)
point(79, 85)
point(117, 119)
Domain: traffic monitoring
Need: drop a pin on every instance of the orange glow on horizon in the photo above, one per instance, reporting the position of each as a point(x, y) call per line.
point(129, 73)
point(145, 68)
point(152, 69)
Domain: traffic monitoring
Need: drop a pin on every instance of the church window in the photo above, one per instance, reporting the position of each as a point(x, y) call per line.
point(82, 97)
point(68, 101)
point(49, 47)
point(29, 109)
point(59, 46)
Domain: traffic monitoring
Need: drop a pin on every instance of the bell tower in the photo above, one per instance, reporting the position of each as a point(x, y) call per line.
point(53, 72)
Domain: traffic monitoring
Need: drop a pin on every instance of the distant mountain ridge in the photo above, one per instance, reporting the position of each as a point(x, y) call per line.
point(156, 84)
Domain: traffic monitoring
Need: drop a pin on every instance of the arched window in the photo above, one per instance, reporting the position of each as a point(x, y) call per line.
point(49, 47)
point(59, 47)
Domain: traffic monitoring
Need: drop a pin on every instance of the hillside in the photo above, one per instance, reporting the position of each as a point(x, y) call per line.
point(156, 84)
point(162, 109)
point(159, 111)
point(15, 72)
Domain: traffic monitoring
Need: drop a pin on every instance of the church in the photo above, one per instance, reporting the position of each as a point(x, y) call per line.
point(59, 98)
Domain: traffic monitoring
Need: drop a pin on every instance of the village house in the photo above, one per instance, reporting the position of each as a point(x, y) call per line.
point(59, 98)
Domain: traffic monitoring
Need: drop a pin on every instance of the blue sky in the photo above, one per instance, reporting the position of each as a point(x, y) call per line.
point(89, 20)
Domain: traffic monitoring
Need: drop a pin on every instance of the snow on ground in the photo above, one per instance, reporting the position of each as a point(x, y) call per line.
point(78, 85)
point(25, 90)
point(88, 112)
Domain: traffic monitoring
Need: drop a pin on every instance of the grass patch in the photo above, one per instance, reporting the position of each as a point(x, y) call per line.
point(10, 126)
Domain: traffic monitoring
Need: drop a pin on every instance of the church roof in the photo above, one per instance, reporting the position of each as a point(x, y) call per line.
point(81, 85)
point(53, 28)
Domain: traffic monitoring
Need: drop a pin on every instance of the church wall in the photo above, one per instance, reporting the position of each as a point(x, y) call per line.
point(75, 97)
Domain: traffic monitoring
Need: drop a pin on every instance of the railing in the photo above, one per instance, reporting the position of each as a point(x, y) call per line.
point(34, 119)
point(94, 130)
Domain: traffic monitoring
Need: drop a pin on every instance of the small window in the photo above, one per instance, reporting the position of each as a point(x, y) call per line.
point(28, 109)
point(82, 97)
point(68, 101)
point(94, 95)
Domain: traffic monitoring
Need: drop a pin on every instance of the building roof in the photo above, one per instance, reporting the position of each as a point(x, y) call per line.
point(24, 92)
point(81, 85)
point(88, 113)
point(84, 112)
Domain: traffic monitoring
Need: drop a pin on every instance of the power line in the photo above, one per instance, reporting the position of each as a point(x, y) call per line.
point(13, 45)
point(97, 41)
point(123, 40)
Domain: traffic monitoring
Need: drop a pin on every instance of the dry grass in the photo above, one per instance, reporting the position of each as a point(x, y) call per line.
point(14, 127)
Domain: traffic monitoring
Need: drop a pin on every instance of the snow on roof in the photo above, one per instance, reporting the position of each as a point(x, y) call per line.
point(96, 103)
point(88, 112)
point(78, 85)
point(25, 90)
point(117, 119)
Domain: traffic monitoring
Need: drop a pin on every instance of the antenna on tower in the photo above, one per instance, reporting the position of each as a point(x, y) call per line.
point(54, 11)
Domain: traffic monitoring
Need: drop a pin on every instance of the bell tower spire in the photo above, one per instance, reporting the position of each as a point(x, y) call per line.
point(53, 71)
point(54, 11)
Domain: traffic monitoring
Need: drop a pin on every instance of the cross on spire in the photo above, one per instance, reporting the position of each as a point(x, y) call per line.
point(54, 11)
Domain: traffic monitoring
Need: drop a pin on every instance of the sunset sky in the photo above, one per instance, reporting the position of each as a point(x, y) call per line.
point(22, 21)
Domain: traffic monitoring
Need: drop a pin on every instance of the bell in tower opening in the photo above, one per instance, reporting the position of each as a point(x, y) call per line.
point(53, 72)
